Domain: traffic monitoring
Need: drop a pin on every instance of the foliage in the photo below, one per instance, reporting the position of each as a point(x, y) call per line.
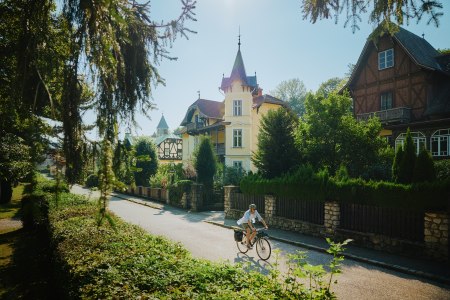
point(408, 159)
point(233, 175)
point(91, 181)
point(396, 164)
point(167, 174)
point(205, 162)
point(105, 183)
point(189, 171)
point(328, 135)
point(124, 162)
point(146, 161)
point(380, 12)
point(276, 153)
point(424, 167)
point(332, 85)
point(293, 91)
point(177, 190)
point(444, 50)
point(305, 184)
point(442, 169)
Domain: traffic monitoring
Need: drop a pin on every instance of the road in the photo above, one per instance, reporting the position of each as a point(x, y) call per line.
point(204, 240)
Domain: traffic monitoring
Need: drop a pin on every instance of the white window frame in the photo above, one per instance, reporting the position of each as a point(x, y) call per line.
point(237, 107)
point(237, 164)
point(386, 59)
point(387, 99)
point(441, 137)
point(419, 140)
point(237, 138)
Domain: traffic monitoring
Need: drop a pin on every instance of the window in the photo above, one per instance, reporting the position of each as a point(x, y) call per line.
point(237, 138)
point(439, 144)
point(386, 101)
point(237, 107)
point(237, 164)
point(418, 138)
point(386, 59)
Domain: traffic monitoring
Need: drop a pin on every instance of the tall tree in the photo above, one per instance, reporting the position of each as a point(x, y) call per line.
point(406, 167)
point(383, 12)
point(293, 91)
point(205, 162)
point(330, 86)
point(277, 153)
point(146, 161)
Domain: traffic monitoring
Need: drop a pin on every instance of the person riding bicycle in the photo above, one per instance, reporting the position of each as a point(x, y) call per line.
point(247, 223)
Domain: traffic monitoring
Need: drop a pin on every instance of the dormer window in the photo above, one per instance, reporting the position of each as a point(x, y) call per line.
point(237, 107)
point(386, 59)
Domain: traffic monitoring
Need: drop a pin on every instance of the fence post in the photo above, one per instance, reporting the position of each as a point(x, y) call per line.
point(196, 196)
point(270, 206)
point(228, 194)
point(332, 217)
point(436, 235)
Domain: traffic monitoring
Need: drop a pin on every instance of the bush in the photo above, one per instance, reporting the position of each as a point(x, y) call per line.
point(442, 169)
point(177, 189)
point(424, 167)
point(205, 162)
point(91, 181)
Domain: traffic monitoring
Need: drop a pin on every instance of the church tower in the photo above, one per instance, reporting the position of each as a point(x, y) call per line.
point(162, 128)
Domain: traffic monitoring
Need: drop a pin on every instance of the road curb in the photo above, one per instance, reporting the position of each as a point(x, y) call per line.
point(141, 202)
point(384, 265)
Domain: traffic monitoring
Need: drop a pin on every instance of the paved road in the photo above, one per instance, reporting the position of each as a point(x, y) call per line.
point(204, 240)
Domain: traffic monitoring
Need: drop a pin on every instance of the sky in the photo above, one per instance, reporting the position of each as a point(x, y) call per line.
point(276, 43)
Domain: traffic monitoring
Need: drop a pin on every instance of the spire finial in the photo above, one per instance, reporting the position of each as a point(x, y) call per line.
point(198, 94)
point(239, 43)
point(423, 35)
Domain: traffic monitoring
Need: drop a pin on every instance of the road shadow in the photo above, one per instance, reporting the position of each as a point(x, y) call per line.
point(251, 263)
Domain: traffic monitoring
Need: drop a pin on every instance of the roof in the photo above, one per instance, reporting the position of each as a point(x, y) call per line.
point(162, 123)
point(238, 73)
point(208, 108)
point(258, 101)
point(420, 51)
point(160, 139)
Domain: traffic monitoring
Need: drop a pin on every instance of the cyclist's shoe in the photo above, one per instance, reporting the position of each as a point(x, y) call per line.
point(249, 247)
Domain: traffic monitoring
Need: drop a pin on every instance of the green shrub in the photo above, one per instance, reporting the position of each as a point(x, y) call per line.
point(442, 169)
point(406, 166)
point(177, 189)
point(91, 181)
point(424, 167)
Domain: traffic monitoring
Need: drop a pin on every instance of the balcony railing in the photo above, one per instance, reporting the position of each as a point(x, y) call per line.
point(219, 148)
point(194, 127)
point(393, 115)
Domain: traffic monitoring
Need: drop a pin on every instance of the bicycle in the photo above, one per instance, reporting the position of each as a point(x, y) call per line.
point(263, 248)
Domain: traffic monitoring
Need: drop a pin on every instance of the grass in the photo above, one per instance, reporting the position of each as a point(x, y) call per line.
point(25, 269)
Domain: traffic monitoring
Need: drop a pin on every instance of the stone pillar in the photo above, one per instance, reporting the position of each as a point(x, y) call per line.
point(196, 197)
point(270, 203)
point(229, 192)
point(436, 235)
point(332, 217)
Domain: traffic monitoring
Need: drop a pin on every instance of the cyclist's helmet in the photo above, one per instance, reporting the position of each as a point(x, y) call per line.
point(252, 206)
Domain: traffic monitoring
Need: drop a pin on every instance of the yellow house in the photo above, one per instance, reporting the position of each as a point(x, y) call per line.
point(232, 124)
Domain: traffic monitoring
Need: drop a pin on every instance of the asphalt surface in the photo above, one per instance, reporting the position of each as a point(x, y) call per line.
point(199, 233)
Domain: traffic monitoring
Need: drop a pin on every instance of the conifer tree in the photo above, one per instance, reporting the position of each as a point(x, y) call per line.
point(205, 163)
point(396, 165)
point(146, 161)
point(424, 168)
point(406, 168)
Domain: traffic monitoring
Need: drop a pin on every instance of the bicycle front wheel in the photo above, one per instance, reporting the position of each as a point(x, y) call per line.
point(263, 248)
point(242, 246)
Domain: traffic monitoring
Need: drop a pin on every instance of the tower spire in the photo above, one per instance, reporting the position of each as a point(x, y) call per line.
point(239, 43)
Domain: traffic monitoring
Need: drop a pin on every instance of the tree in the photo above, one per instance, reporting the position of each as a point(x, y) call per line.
point(277, 153)
point(328, 135)
point(406, 167)
point(146, 161)
point(380, 12)
point(396, 164)
point(331, 85)
point(14, 163)
point(424, 167)
point(293, 91)
point(124, 160)
point(205, 162)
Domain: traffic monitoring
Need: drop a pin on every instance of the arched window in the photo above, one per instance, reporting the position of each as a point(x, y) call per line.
point(439, 143)
point(418, 138)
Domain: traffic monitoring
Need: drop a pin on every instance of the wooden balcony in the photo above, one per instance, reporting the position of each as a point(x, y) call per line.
point(192, 128)
point(393, 115)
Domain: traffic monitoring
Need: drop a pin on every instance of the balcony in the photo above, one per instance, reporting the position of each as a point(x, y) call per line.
point(388, 116)
point(219, 148)
point(192, 128)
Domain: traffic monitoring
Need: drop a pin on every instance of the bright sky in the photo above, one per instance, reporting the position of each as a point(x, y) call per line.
point(277, 44)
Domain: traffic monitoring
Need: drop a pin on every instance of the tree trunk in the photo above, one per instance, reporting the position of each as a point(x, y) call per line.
point(5, 191)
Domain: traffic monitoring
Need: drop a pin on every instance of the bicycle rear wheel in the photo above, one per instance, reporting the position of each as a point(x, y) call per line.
point(263, 248)
point(241, 245)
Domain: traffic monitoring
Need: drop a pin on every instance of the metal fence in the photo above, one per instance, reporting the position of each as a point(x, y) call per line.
point(393, 222)
point(303, 210)
point(212, 199)
point(242, 201)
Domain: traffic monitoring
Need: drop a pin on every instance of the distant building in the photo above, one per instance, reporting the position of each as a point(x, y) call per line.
point(404, 81)
point(232, 124)
point(169, 146)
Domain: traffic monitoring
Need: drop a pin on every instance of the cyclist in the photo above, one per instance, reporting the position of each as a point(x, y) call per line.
point(247, 223)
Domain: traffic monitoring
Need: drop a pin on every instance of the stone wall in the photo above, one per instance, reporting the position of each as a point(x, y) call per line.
point(332, 217)
point(436, 235)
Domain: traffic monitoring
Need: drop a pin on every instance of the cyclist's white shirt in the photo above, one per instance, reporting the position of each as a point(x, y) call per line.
point(248, 216)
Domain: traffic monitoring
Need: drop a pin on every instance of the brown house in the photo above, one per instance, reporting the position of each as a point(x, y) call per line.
point(405, 82)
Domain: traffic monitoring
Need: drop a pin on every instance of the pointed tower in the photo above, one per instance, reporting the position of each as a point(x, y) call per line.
point(239, 90)
point(162, 128)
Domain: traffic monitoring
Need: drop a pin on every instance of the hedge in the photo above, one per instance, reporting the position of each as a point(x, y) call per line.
point(124, 262)
point(307, 185)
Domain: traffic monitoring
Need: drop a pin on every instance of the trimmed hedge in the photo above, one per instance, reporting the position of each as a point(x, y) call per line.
point(125, 262)
point(307, 185)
